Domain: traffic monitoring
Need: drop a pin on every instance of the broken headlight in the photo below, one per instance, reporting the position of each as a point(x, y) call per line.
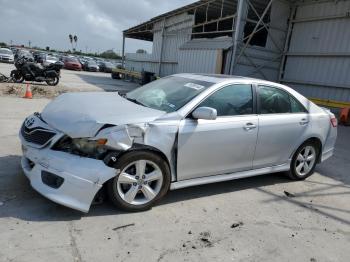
point(82, 147)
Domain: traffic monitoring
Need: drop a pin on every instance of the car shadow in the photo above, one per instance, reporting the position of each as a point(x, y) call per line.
point(19, 200)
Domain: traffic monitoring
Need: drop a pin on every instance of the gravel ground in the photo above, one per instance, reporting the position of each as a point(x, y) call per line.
point(266, 218)
point(70, 81)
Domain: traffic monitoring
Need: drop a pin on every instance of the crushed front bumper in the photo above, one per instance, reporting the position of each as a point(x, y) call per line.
point(82, 177)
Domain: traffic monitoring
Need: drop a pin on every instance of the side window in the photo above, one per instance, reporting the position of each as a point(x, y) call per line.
point(296, 106)
point(231, 100)
point(273, 100)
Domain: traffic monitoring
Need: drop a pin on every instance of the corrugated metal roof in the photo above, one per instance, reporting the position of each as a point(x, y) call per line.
point(206, 43)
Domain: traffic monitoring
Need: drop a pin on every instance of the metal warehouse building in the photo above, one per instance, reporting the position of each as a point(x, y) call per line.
point(303, 44)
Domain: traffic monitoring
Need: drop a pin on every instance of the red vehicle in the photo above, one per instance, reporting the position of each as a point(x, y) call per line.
point(72, 63)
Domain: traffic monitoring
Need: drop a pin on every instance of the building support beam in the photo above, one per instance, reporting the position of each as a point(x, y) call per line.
point(123, 51)
point(287, 42)
point(236, 33)
point(161, 49)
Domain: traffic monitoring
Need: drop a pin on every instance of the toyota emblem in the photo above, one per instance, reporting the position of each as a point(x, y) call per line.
point(29, 122)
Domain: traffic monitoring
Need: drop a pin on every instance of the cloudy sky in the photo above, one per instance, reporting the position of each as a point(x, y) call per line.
point(97, 23)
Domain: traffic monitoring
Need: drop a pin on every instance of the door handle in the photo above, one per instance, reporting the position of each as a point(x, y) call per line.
point(303, 122)
point(249, 126)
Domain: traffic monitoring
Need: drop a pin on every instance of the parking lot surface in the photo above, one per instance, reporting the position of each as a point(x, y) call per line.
point(265, 218)
point(83, 81)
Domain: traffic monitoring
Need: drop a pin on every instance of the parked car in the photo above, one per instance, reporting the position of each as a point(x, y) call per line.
point(39, 57)
point(106, 67)
point(82, 61)
point(91, 66)
point(179, 131)
point(24, 53)
point(72, 63)
point(6, 55)
point(49, 59)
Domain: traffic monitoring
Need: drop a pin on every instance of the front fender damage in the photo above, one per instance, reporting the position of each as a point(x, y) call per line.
point(158, 135)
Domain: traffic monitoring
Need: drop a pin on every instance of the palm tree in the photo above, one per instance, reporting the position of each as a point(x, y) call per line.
point(76, 41)
point(71, 40)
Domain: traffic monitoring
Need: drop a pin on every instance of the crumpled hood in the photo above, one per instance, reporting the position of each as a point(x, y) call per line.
point(83, 114)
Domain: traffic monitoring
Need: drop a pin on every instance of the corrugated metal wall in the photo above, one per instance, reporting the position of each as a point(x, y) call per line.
point(177, 31)
point(197, 61)
point(316, 62)
point(318, 59)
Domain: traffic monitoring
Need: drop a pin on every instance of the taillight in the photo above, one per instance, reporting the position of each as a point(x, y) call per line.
point(334, 122)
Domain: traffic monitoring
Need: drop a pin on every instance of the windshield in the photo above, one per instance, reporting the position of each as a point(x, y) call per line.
point(6, 52)
point(168, 94)
point(72, 60)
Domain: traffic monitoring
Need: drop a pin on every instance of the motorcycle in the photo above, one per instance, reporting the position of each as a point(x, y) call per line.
point(27, 70)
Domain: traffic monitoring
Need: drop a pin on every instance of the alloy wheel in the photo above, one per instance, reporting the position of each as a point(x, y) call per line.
point(139, 182)
point(305, 161)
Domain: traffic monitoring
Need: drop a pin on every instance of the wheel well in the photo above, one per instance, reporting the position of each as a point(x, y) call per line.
point(140, 147)
point(316, 141)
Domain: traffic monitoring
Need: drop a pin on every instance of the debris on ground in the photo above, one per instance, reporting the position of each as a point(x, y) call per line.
point(205, 239)
point(190, 232)
point(234, 225)
point(124, 226)
point(289, 194)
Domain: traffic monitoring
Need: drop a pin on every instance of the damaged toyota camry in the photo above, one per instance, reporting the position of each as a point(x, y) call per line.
point(179, 131)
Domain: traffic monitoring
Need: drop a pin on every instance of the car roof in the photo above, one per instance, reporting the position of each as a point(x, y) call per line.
point(217, 78)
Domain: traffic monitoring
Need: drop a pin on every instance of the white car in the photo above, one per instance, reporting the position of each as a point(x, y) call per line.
point(50, 60)
point(179, 131)
point(6, 55)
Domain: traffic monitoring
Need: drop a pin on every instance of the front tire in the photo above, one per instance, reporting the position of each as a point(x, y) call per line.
point(304, 161)
point(143, 179)
point(17, 76)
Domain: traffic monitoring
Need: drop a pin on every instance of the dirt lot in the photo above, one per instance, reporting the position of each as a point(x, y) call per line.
point(244, 220)
point(70, 81)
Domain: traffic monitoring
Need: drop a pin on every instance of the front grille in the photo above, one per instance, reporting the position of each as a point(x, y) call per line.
point(37, 135)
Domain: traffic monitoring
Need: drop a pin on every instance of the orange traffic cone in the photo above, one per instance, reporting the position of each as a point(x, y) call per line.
point(345, 116)
point(28, 93)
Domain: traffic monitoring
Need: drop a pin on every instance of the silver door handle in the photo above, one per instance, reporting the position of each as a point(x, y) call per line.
point(249, 126)
point(303, 122)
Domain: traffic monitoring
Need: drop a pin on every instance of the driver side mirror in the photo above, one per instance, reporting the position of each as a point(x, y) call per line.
point(206, 113)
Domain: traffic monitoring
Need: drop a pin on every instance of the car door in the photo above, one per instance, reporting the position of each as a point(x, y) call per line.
point(283, 121)
point(224, 145)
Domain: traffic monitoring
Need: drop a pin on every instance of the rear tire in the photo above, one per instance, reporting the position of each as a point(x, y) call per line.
point(304, 161)
point(143, 179)
point(115, 76)
point(53, 82)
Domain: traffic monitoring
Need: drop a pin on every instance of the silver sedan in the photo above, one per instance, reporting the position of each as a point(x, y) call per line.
point(179, 131)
